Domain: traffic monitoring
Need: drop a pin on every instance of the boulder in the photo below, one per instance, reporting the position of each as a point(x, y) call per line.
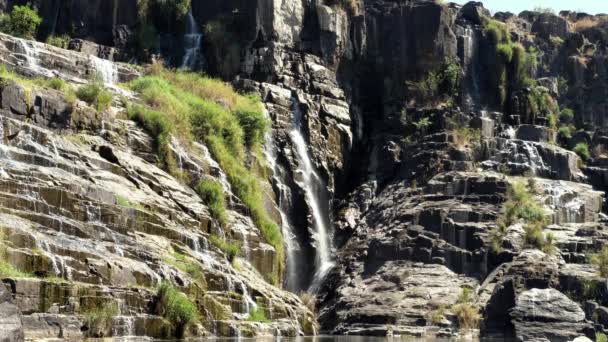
point(474, 12)
point(547, 314)
point(548, 25)
point(11, 329)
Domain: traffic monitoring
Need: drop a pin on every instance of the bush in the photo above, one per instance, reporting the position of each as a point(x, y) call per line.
point(59, 41)
point(95, 94)
point(468, 316)
point(258, 314)
point(600, 260)
point(440, 84)
point(231, 249)
point(212, 194)
point(566, 116)
point(600, 337)
point(23, 21)
point(466, 296)
point(465, 136)
point(175, 306)
point(582, 149)
point(57, 83)
point(99, 320)
point(252, 119)
point(535, 238)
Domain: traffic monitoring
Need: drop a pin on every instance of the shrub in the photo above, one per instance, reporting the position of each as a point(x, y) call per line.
point(212, 194)
point(535, 238)
point(600, 337)
point(59, 41)
point(99, 320)
point(582, 149)
point(466, 296)
point(437, 316)
point(23, 21)
point(57, 83)
point(95, 94)
point(440, 84)
point(564, 132)
point(258, 314)
point(229, 248)
point(600, 260)
point(465, 136)
point(566, 116)
point(252, 119)
point(175, 306)
point(309, 300)
point(468, 316)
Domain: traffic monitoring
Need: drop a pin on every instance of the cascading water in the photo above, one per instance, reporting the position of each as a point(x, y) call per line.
point(289, 237)
point(30, 53)
point(192, 43)
point(107, 70)
point(469, 59)
point(314, 188)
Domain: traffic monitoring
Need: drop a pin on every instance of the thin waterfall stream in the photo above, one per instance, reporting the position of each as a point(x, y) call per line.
point(192, 43)
point(314, 190)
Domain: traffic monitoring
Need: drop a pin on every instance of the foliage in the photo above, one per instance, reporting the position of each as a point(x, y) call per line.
point(212, 194)
point(195, 107)
point(189, 266)
point(600, 337)
point(158, 125)
point(468, 315)
point(566, 116)
point(175, 306)
point(441, 84)
point(521, 205)
point(258, 314)
point(95, 94)
point(582, 149)
point(436, 316)
point(176, 9)
point(600, 260)
point(422, 124)
point(61, 41)
point(466, 296)
point(231, 249)
point(23, 21)
point(57, 83)
point(7, 270)
point(464, 136)
point(124, 202)
point(309, 300)
point(99, 320)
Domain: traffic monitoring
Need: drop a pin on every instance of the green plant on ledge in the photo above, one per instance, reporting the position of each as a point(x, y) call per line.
point(23, 21)
point(212, 194)
point(231, 249)
point(176, 307)
point(258, 314)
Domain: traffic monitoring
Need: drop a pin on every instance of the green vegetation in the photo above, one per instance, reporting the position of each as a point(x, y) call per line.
point(212, 194)
point(437, 85)
point(195, 107)
point(61, 41)
point(124, 202)
point(7, 270)
point(600, 260)
point(99, 320)
point(175, 307)
point(187, 265)
point(600, 337)
point(175, 9)
point(23, 21)
point(95, 94)
point(582, 149)
point(467, 313)
point(464, 136)
point(541, 102)
point(258, 314)
point(231, 249)
point(513, 63)
point(437, 316)
point(521, 206)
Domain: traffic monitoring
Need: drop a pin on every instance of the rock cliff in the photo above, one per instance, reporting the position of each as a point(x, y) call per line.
point(435, 171)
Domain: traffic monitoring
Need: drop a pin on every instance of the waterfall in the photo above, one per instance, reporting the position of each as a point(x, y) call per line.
point(29, 51)
point(289, 238)
point(192, 43)
point(314, 188)
point(469, 60)
point(107, 70)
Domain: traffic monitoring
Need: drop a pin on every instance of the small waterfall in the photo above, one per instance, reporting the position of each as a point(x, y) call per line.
point(291, 277)
point(314, 188)
point(192, 43)
point(30, 52)
point(107, 70)
point(468, 53)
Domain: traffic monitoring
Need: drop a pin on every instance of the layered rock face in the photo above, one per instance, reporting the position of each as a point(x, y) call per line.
point(392, 181)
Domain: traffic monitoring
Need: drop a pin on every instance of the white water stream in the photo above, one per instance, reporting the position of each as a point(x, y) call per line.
point(192, 43)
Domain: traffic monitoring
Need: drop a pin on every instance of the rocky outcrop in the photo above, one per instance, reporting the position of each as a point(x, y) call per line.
point(11, 328)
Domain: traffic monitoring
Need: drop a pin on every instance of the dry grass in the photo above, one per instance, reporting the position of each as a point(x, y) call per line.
point(308, 300)
point(468, 316)
point(599, 151)
point(588, 22)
